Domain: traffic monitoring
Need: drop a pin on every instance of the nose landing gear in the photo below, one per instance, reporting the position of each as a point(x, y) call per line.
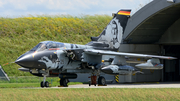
point(45, 83)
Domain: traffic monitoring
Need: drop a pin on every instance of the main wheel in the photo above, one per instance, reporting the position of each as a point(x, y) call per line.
point(42, 84)
point(63, 82)
point(89, 83)
point(46, 84)
point(101, 81)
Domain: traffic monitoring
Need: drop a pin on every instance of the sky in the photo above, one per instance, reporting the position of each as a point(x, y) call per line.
point(21, 8)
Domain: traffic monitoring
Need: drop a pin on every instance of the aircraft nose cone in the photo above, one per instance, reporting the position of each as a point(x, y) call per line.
point(107, 70)
point(25, 61)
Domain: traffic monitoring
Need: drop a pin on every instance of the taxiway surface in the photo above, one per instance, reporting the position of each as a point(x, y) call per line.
point(164, 85)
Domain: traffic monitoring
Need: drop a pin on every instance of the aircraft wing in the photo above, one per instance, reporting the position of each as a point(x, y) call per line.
point(101, 52)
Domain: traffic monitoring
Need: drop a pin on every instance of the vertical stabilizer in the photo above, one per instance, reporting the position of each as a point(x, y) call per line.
point(112, 34)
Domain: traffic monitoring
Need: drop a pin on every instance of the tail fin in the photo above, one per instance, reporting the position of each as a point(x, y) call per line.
point(112, 34)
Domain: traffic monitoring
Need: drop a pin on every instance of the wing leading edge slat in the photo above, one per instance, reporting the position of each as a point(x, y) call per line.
point(101, 52)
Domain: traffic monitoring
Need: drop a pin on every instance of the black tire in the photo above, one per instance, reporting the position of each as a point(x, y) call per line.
point(61, 82)
point(42, 84)
point(64, 82)
point(46, 84)
point(101, 81)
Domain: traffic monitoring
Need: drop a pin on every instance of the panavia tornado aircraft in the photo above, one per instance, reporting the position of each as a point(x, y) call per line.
point(64, 60)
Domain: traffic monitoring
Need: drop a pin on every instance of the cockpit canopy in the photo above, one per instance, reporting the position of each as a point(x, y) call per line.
point(47, 45)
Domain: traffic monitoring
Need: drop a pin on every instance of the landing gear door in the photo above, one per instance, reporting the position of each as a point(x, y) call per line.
point(62, 61)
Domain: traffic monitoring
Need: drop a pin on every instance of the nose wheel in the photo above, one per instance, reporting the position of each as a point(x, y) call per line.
point(44, 83)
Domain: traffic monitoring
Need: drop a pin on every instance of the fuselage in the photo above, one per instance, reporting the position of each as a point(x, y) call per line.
point(57, 57)
point(50, 55)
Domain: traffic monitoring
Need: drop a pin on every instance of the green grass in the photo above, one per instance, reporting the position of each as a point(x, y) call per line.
point(19, 85)
point(18, 35)
point(31, 81)
point(90, 94)
point(26, 85)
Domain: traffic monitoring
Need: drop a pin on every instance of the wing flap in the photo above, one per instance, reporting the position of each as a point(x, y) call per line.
point(101, 52)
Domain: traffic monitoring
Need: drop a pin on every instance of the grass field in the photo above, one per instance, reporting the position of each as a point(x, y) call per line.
point(31, 81)
point(90, 94)
point(26, 85)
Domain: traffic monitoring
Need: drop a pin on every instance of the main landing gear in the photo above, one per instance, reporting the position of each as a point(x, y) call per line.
point(64, 78)
point(101, 81)
point(64, 82)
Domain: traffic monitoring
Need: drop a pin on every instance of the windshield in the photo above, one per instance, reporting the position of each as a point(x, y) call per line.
point(55, 45)
point(39, 47)
point(48, 45)
point(42, 47)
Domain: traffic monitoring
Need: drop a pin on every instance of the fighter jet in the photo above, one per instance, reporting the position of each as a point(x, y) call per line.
point(65, 60)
